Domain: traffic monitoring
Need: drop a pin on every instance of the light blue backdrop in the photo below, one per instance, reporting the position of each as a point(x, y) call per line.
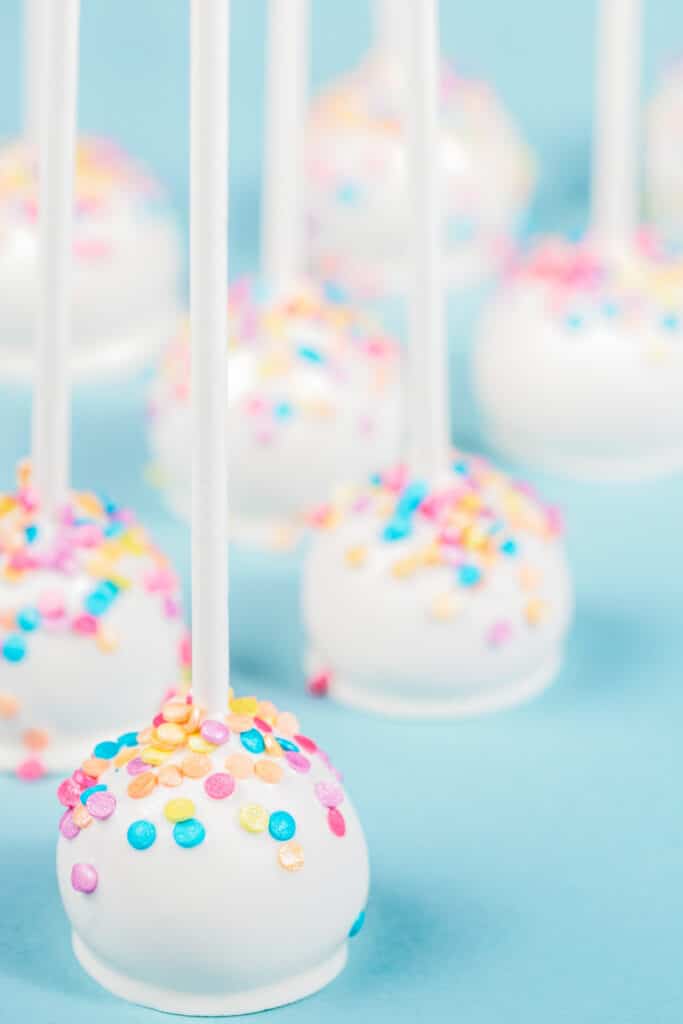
point(527, 867)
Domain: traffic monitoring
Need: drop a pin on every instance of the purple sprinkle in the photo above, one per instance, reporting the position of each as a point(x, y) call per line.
point(84, 878)
point(101, 805)
point(214, 732)
point(67, 825)
point(137, 766)
point(297, 761)
point(329, 794)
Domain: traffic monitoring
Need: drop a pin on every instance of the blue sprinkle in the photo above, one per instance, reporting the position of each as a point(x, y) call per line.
point(189, 833)
point(375, 479)
point(397, 529)
point(509, 546)
point(460, 468)
point(142, 834)
point(114, 529)
point(286, 744)
point(29, 619)
point(610, 309)
point(357, 924)
point(31, 533)
point(670, 321)
point(468, 575)
point(128, 739)
point(411, 498)
point(574, 321)
point(89, 792)
point(281, 826)
point(97, 602)
point(252, 740)
point(348, 193)
point(110, 507)
point(283, 410)
point(106, 750)
point(313, 355)
point(108, 587)
point(334, 292)
point(14, 648)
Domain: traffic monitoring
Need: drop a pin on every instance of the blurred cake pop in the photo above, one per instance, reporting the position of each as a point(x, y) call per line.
point(442, 587)
point(357, 173)
point(174, 867)
point(579, 366)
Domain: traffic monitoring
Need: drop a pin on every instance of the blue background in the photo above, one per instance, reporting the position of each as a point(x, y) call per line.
point(528, 866)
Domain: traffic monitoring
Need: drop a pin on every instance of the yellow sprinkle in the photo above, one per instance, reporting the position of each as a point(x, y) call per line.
point(172, 733)
point(106, 640)
point(356, 556)
point(244, 705)
point(445, 607)
point(81, 816)
point(90, 504)
point(179, 809)
point(176, 711)
point(536, 611)
point(405, 567)
point(154, 756)
point(125, 755)
point(199, 745)
point(272, 746)
point(254, 818)
point(291, 856)
point(145, 736)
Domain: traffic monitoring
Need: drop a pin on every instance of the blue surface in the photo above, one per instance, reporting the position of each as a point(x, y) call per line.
point(526, 867)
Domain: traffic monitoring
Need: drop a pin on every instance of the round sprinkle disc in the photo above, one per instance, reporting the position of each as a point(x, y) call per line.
point(189, 833)
point(240, 765)
point(215, 733)
point(101, 805)
point(357, 924)
point(329, 794)
point(253, 741)
point(179, 809)
point(297, 761)
point(195, 766)
point(268, 771)
point(106, 750)
point(219, 785)
point(84, 878)
point(170, 775)
point(141, 835)
point(291, 856)
point(282, 826)
point(254, 818)
point(142, 785)
point(335, 819)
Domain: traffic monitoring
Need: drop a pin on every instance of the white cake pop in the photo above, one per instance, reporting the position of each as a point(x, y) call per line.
point(126, 260)
point(314, 395)
point(664, 152)
point(579, 364)
point(447, 597)
point(90, 630)
point(178, 852)
point(358, 179)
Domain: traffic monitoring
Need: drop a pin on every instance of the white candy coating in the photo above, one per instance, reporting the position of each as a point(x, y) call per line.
point(664, 152)
point(465, 611)
point(240, 922)
point(358, 179)
point(313, 396)
point(126, 261)
point(578, 367)
point(68, 675)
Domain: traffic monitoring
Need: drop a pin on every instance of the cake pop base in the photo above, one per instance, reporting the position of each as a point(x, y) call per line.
point(479, 700)
point(228, 1004)
point(520, 449)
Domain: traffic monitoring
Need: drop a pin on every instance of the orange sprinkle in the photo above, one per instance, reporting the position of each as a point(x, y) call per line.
point(146, 736)
point(195, 766)
point(9, 705)
point(287, 723)
point(170, 775)
point(81, 816)
point(268, 771)
point(291, 856)
point(171, 734)
point(240, 723)
point(125, 755)
point(272, 746)
point(36, 739)
point(95, 766)
point(176, 711)
point(142, 785)
point(239, 765)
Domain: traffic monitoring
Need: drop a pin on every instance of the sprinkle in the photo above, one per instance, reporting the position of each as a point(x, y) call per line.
point(67, 826)
point(254, 818)
point(335, 820)
point(291, 856)
point(136, 766)
point(286, 744)
point(9, 706)
point(309, 745)
point(297, 761)
point(499, 634)
point(189, 833)
point(268, 771)
point(31, 770)
point(36, 739)
point(68, 793)
point(536, 611)
point(469, 575)
point(195, 766)
point(179, 809)
point(107, 750)
point(176, 711)
point(215, 732)
point(253, 741)
point(95, 766)
point(14, 648)
point(240, 723)
point(356, 556)
point(128, 739)
point(28, 619)
point(155, 756)
point(142, 834)
point(84, 878)
point(281, 826)
point(101, 805)
point(319, 685)
point(199, 745)
point(142, 785)
point(81, 816)
point(171, 733)
point(219, 785)
point(272, 746)
point(357, 924)
point(445, 607)
point(329, 794)
point(170, 776)
point(244, 705)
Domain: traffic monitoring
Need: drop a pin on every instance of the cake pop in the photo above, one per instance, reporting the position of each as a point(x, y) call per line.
point(578, 367)
point(441, 587)
point(664, 180)
point(126, 248)
point(314, 384)
point(357, 172)
point(90, 631)
point(213, 825)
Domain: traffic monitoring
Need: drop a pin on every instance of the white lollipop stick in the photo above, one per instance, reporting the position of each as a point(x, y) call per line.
point(287, 65)
point(209, 331)
point(615, 142)
point(427, 418)
point(391, 23)
point(34, 60)
point(57, 140)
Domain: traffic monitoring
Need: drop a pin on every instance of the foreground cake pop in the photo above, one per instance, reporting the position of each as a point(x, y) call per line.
point(314, 385)
point(664, 153)
point(358, 178)
point(90, 630)
point(126, 248)
point(180, 862)
point(579, 364)
point(440, 587)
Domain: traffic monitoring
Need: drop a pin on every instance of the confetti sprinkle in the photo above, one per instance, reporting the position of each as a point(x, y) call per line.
point(291, 856)
point(281, 826)
point(179, 809)
point(357, 924)
point(219, 786)
point(189, 834)
point(141, 835)
point(254, 818)
point(84, 878)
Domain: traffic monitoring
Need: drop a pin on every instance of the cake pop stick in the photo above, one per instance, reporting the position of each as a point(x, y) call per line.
point(286, 98)
point(208, 275)
point(390, 25)
point(427, 426)
point(33, 37)
point(615, 157)
point(57, 141)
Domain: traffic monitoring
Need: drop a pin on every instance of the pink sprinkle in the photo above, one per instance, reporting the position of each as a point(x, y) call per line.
point(215, 732)
point(85, 625)
point(31, 769)
point(255, 406)
point(84, 878)
point(171, 607)
point(101, 805)
point(309, 746)
point(329, 794)
point(319, 685)
point(82, 780)
point(91, 248)
point(263, 726)
point(219, 785)
point(499, 633)
point(67, 825)
point(297, 761)
point(553, 517)
point(160, 579)
point(335, 819)
point(68, 793)
point(51, 604)
point(395, 479)
point(158, 720)
point(89, 535)
point(137, 766)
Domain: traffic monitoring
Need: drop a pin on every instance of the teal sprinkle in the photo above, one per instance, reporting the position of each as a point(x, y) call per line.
point(281, 826)
point(106, 750)
point(89, 792)
point(509, 546)
point(14, 648)
point(357, 924)
point(252, 740)
point(286, 744)
point(397, 529)
point(189, 833)
point(128, 739)
point(313, 355)
point(468, 575)
point(29, 619)
point(142, 835)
